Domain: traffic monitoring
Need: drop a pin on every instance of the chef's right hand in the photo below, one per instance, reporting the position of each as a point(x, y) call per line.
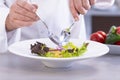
point(80, 7)
point(22, 13)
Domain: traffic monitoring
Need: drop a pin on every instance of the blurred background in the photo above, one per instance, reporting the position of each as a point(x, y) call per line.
point(102, 19)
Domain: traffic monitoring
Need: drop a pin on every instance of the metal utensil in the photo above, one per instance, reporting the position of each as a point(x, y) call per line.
point(63, 38)
point(65, 34)
point(55, 39)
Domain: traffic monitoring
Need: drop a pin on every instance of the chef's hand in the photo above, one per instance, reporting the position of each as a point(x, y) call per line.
point(21, 14)
point(80, 7)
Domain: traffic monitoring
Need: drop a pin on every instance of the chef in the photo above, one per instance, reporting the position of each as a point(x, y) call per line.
point(21, 19)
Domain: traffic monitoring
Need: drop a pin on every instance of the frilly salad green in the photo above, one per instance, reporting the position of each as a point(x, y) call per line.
point(67, 51)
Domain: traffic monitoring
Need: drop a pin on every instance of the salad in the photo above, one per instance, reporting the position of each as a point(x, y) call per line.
point(68, 50)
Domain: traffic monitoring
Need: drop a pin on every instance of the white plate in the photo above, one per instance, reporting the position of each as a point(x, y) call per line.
point(114, 49)
point(22, 48)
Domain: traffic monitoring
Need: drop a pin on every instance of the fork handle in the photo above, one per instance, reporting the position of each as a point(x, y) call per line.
point(71, 26)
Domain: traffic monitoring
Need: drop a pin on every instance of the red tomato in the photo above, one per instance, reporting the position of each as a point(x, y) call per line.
point(102, 33)
point(118, 30)
point(97, 37)
point(117, 43)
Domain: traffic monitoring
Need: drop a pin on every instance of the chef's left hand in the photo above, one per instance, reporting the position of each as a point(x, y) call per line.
point(80, 7)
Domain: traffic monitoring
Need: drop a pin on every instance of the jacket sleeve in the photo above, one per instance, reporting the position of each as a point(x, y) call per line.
point(6, 38)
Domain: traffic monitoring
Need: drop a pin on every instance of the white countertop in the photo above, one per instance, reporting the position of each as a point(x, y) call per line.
point(14, 67)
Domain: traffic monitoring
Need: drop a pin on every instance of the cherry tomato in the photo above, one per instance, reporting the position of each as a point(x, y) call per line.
point(97, 37)
point(102, 33)
point(117, 43)
point(118, 30)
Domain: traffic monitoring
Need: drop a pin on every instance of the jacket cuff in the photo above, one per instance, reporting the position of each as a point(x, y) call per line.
point(14, 36)
point(3, 36)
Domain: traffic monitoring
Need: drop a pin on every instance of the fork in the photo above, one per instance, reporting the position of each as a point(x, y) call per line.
point(65, 34)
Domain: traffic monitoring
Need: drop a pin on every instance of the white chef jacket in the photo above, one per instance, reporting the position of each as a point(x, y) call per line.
point(55, 13)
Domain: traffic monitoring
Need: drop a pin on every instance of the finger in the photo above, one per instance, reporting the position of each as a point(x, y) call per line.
point(86, 4)
point(18, 16)
point(73, 10)
point(79, 7)
point(92, 2)
point(26, 5)
point(20, 24)
point(35, 5)
point(17, 9)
